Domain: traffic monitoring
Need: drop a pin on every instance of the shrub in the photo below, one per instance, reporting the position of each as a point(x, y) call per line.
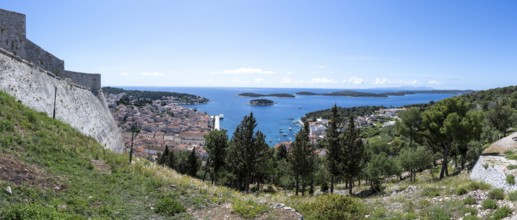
point(471, 210)
point(31, 212)
point(461, 190)
point(478, 185)
point(489, 204)
point(485, 165)
point(6, 126)
point(248, 208)
point(469, 201)
point(501, 213)
point(431, 192)
point(510, 179)
point(470, 217)
point(439, 214)
point(334, 206)
point(511, 167)
point(169, 206)
point(512, 196)
point(497, 194)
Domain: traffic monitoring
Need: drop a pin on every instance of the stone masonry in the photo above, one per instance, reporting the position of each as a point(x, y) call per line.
point(38, 79)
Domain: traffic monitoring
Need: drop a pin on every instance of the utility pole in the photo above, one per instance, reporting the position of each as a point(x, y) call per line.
point(134, 132)
point(55, 97)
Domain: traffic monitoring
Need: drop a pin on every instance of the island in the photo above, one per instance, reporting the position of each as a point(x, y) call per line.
point(351, 93)
point(256, 95)
point(262, 102)
point(344, 93)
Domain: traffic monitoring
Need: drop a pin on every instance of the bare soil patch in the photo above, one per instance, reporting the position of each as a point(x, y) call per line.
point(20, 173)
point(101, 166)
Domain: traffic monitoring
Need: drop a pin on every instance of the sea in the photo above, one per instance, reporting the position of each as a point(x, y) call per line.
point(279, 122)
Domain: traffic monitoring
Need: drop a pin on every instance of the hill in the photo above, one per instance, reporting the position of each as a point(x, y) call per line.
point(256, 95)
point(48, 170)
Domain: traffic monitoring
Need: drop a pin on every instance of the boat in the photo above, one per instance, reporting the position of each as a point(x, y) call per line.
point(290, 128)
point(291, 118)
point(299, 106)
point(221, 116)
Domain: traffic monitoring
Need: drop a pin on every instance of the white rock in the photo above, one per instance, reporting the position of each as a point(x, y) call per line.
point(8, 190)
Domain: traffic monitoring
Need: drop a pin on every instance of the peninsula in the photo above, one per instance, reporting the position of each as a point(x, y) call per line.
point(256, 95)
point(351, 93)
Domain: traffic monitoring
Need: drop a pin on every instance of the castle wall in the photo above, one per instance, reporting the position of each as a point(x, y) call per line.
point(87, 80)
point(13, 39)
point(75, 105)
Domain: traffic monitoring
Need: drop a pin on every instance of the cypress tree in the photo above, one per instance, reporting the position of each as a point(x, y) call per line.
point(302, 159)
point(354, 153)
point(335, 150)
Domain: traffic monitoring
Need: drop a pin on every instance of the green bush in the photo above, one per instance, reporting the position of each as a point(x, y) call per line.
point(469, 201)
point(512, 196)
point(489, 204)
point(497, 194)
point(6, 126)
point(511, 167)
point(20, 211)
point(501, 213)
point(439, 214)
point(248, 208)
point(334, 206)
point(478, 185)
point(510, 179)
point(169, 206)
point(431, 192)
point(471, 210)
point(470, 217)
point(461, 191)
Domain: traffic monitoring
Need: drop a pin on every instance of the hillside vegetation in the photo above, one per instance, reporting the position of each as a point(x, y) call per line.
point(48, 170)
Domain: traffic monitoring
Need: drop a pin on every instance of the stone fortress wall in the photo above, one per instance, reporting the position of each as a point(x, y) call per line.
point(38, 79)
point(13, 39)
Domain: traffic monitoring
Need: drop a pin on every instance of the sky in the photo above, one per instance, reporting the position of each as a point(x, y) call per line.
point(443, 44)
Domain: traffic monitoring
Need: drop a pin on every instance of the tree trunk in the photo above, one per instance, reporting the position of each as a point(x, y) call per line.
point(303, 188)
point(332, 184)
point(444, 170)
point(350, 180)
point(297, 184)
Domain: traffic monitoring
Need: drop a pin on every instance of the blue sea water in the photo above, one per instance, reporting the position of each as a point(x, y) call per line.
point(286, 111)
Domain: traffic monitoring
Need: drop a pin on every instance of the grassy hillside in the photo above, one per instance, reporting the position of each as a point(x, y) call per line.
point(48, 170)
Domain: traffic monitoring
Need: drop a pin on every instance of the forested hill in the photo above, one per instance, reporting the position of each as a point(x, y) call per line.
point(156, 95)
point(344, 112)
point(507, 95)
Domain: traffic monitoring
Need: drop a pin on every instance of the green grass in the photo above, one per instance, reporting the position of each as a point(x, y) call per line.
point(248, 208)
point(489, 204)
point(71, 187)
point(501, 213)
point(512, 196)
point(510, 179)
point(511, 167)
point(497, 194)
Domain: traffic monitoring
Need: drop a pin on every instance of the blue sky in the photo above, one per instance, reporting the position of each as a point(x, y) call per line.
point(460, 44)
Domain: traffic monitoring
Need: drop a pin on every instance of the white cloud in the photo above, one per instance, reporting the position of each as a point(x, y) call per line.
point(125, 73)
point(433, 82)
point(379, 81)
point(322, 67)
point(244, 71)
point(259, 80)
point(288, 80)
point(385, 81)
point(152, 74)
point(353, 80)
point(321, 80)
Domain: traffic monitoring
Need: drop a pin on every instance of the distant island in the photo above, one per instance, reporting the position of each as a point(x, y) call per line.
point(142, 97)
point(256, 95)
point(262, 102)
point(351, 93)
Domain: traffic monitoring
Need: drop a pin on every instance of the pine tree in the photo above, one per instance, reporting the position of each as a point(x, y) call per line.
point(171, 160)
point(192, 163)
point(216, 147)
point(302, 159)
point(354, 153)
point(164, 156)
point(335, 150)
point(246, 151)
